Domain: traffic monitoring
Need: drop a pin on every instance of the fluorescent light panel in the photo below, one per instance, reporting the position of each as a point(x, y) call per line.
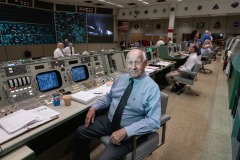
point(114, 4)
point(143, 1)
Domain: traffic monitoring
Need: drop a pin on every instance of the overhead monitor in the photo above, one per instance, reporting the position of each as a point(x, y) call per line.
point(48, 81)
point(79, 73)
point(100, 28)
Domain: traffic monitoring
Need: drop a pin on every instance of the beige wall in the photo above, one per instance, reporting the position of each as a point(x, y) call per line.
point(40, 50)
point(3, 53)
point(182, 26)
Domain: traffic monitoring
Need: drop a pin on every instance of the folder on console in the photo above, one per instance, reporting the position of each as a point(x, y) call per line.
point(23, 121)
point(84, 97)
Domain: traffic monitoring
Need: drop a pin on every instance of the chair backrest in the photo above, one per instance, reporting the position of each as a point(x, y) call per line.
point(210, 55)
point(163, 53)
point(196, 68)
point(164, 101)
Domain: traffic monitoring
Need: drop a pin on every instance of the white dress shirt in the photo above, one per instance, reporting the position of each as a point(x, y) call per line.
point(67, 51)
point(160, 42)
point(58, 53)
point(190, 63)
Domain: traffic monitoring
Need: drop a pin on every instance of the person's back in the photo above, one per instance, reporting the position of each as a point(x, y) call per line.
point(160, 43)
point(206, 36)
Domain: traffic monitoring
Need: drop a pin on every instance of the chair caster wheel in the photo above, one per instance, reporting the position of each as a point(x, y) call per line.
point(197, 94)
point(178, 93)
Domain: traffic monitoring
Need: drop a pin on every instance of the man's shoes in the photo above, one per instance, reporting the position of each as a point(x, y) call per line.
point(175, 88)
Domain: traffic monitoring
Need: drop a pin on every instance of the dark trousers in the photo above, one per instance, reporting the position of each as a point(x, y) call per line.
point(101, 127)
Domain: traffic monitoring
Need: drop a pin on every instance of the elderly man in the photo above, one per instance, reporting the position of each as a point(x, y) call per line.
point(160, 42)
point(69, 51)
point(134, 109)
point(58, 52)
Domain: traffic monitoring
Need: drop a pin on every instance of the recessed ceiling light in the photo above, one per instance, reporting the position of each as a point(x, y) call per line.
point(179, 0)
point(145, 2)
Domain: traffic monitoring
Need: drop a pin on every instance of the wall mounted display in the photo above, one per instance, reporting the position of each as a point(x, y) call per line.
point(19, 30)
point(136, 26)
point(235, 4)
point(22, 33)
point(155, 11)
point(200, 25)
point(185, 8)
point(217, 25)
point(71, 26)
point(123, 13)
point(146, 11)
point(100, 28)
point(215, 7)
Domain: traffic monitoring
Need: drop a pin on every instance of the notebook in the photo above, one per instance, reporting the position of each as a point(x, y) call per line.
point(84, 97)
point(22, 121)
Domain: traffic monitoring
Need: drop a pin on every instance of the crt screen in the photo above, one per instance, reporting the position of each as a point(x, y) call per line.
point(47, 81)
point(78, 74)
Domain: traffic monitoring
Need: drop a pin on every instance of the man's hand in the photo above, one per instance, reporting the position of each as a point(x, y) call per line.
point(90, 116)
point(118, 136)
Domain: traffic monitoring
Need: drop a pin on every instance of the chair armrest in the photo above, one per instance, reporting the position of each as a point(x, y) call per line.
point(134, 152)
point(188, 73)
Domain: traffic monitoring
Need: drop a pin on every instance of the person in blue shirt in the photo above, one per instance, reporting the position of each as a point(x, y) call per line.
point(206, 36)
point(141, 114)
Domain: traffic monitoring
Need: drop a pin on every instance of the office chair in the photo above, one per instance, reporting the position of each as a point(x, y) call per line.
point(152, 139)
point(207, 60)
point(188, 78)
point(216, 50)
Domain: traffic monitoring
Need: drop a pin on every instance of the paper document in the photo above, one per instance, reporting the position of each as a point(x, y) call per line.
point(17, 120)
point(84, 97)
point(163, 63)
point(21, 121)
point(88, 96)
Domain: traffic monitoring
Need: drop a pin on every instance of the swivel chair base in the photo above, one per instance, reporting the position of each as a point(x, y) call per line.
point(205, 69)
point(189, 89)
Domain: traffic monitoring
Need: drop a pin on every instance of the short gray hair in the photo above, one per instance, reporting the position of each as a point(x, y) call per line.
point(143, 53)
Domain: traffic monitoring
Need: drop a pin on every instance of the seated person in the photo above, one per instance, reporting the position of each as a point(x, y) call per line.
point(58, 52)
point(206, 47)
point(69, 51)
point(170, 42)
point(160, 42)
point(134, 109)
point(186, 67)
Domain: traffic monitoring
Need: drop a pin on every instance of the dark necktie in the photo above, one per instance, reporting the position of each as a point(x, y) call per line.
point(71, 51)
point(120, 108)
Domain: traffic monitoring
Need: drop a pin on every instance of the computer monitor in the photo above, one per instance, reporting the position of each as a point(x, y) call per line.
point(79, 73)
point(148, 56)
point(48, 81)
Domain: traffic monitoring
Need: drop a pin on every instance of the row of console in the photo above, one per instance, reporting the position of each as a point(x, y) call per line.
point(30, 85)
